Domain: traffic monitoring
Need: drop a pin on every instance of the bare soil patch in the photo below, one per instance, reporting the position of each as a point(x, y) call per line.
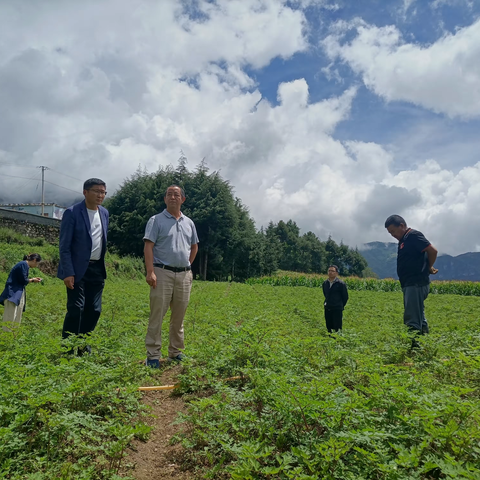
point(156, 458)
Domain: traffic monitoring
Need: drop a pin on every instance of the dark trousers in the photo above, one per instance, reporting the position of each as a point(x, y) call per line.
point(333, 320)
point(84, 302)
point(414, 313)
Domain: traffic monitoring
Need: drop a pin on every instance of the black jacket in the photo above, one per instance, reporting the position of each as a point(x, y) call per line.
point(336, 296)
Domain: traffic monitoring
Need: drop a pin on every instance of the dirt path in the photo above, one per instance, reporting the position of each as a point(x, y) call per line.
point(156, 458)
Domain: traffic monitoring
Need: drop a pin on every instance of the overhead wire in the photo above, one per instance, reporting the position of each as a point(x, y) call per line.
point(59, 186)
point(9, 164)
point(33, 166)
point(61, 173)
point(46, 181)
point(14, 176)
point(35, 177)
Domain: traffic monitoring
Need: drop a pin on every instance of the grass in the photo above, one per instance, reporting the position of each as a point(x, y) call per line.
point(63, 417)
point(359, 405)
point(295, 279)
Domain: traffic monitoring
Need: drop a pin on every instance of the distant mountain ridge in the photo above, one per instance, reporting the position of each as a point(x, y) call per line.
point(382, 259)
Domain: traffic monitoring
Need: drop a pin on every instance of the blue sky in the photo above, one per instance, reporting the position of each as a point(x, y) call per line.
point(333, 113)
point(372, 119)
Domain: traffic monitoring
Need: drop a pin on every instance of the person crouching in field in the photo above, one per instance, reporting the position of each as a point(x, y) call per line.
point(336, 297)
point(415, 259)
point(13, 295)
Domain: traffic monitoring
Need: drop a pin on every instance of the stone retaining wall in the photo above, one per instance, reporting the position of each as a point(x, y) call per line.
point(34, 226)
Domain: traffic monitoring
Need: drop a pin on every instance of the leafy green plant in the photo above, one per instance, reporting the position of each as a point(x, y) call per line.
point(291, 279)
point(360, 405)
point(270, 394)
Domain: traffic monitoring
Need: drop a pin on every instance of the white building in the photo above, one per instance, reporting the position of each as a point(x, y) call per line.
point(51, 210)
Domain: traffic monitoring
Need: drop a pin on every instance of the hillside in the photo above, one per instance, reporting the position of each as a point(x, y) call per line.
point(382, 259)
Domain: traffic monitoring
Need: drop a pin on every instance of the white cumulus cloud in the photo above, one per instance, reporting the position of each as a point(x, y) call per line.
point(99, 88)
point(443, 77)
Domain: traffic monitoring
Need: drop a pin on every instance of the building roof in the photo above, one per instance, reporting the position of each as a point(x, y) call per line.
point(30, 205)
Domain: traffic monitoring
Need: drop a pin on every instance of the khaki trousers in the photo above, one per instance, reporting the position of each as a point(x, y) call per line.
point(13, 313)
point(172, 290)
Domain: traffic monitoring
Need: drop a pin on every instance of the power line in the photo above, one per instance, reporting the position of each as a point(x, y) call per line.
point(15, 176)
point(46, 181)
point(59, 186)
point(61, 173)
point(7, 164)
point(32, 166)
point(35, 177)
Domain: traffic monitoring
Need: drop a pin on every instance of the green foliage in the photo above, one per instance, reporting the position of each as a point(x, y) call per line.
point(292, 279)
point(360, 405)
point(308, 254)
point(230, 247)
point(14, 246)
point(12, 253)
point(8, 235)
point(68, 417)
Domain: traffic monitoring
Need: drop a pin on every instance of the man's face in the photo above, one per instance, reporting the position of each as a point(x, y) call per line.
point(397, 231)
point(332, 273)
point(173, 197)
point(95, 195)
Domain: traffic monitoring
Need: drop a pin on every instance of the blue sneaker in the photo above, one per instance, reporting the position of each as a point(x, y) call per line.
point(179, 358)
point(152, 363)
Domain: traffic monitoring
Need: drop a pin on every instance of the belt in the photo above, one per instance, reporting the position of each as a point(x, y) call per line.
point(172, 269)
point(93, 261)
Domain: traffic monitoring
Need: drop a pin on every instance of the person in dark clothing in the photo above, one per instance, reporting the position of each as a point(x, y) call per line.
point(336, 297)
point(415, 259)
point(82, 246)
point(13, 295)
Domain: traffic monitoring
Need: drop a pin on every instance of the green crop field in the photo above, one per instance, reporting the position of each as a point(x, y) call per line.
point(357, 406)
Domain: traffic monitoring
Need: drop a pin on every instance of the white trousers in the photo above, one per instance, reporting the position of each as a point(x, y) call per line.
point(13, 313)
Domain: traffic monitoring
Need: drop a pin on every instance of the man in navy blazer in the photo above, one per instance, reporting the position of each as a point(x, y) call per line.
point(83, 243)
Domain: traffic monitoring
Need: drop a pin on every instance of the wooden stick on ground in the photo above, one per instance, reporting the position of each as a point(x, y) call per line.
point(172, 387)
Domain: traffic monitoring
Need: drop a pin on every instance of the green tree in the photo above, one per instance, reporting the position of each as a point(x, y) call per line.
point(288, 234)
point(229, 245)
point(226, 232)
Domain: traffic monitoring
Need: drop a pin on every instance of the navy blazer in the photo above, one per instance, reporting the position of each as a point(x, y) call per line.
point(16, 282)
point(76, 241)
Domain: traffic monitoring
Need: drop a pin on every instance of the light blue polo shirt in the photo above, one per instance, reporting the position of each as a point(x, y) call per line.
point(173, 238)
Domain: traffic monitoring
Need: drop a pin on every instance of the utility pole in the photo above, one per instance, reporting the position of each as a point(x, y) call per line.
point(43, 188)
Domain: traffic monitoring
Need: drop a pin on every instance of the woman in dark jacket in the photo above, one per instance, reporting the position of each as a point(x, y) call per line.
point(13, 296)
point(336, 297)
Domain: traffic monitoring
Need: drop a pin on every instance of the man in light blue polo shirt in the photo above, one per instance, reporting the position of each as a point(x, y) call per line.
point(171, 244)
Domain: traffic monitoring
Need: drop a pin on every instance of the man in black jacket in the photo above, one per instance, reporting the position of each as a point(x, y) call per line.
point(415, 259)
point(336, 297)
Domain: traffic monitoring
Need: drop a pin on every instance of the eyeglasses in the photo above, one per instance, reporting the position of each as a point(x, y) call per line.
point(98, 192)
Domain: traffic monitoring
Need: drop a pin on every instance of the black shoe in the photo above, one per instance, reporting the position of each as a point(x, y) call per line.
point(87, 349)
point(415, 343)
point(179, 358)
point(152, 363)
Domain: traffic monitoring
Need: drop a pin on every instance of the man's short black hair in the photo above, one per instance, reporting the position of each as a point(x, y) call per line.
point(395, 220)
point(182, 192)
point(91, 182)
point(333, 266)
